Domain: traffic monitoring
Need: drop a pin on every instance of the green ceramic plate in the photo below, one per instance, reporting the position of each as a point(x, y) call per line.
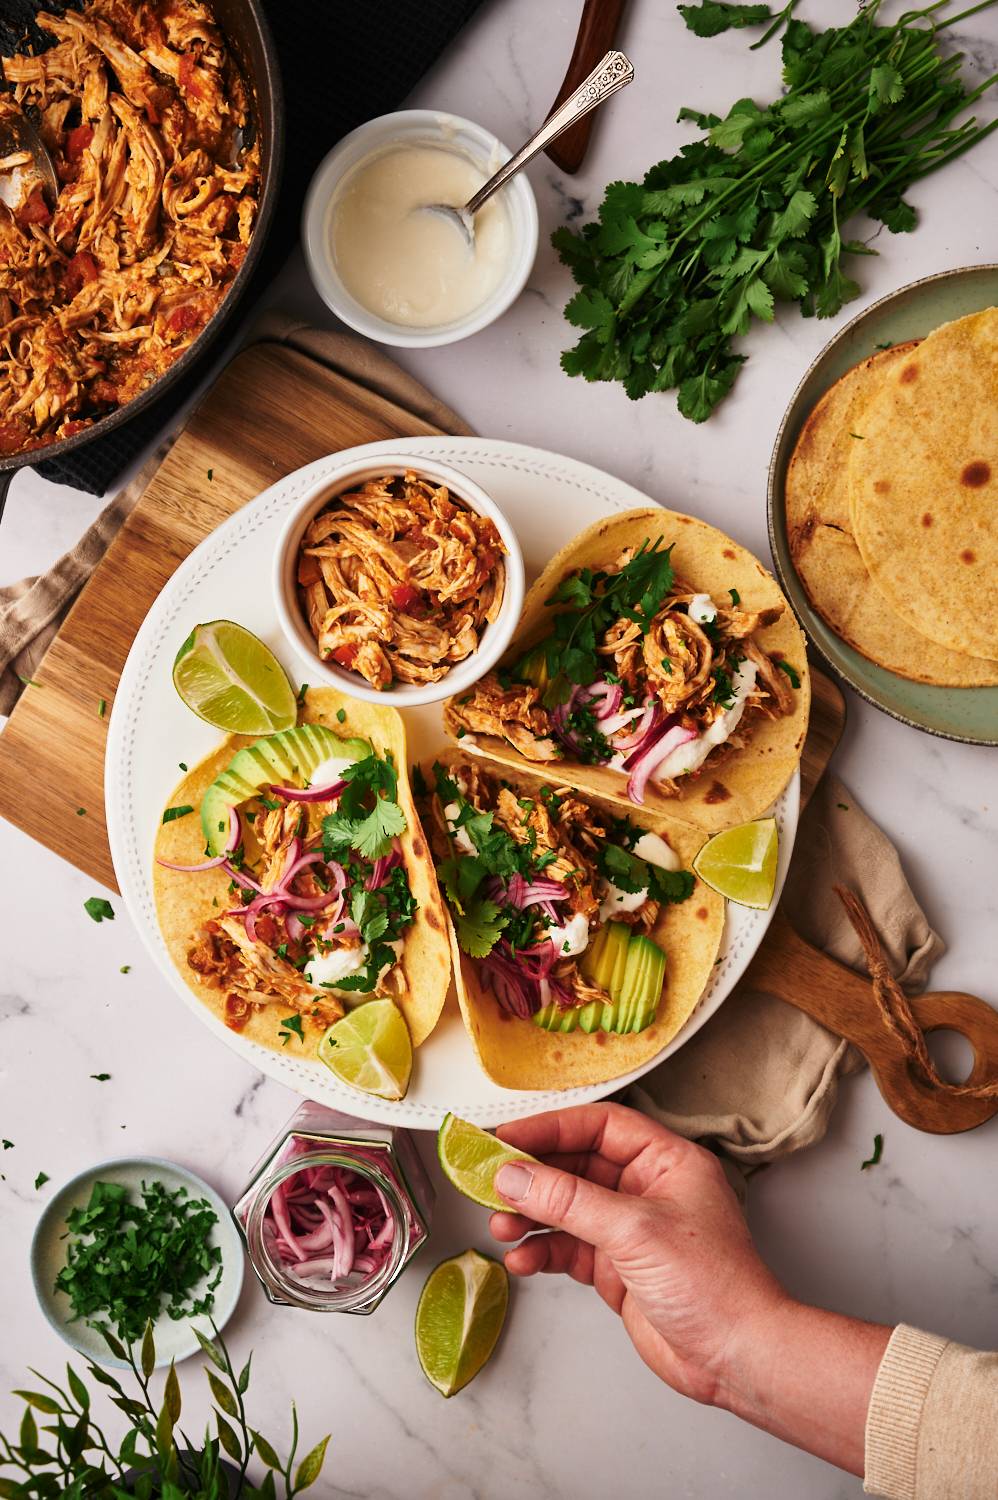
point(968, 714)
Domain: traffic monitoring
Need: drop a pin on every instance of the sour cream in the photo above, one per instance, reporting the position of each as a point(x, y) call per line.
point(330, 771)
point(325, 969)
point(655, 851)
point(461, 840)
point(616, 901)
point(410, 267)
point(688, 757)
point(571, 939)
point(702, 609)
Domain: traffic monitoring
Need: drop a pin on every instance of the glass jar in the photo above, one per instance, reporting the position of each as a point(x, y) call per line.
point(386, 1173)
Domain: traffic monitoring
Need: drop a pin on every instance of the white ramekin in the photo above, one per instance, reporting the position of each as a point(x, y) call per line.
point(410, 127)
point(495, 638)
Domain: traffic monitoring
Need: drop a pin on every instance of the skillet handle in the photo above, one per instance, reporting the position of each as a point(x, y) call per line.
point(6, 480)
point(842, 1000)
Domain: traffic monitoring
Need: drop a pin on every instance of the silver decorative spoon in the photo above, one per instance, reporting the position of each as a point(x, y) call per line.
point(22, 150)
point(613, 73)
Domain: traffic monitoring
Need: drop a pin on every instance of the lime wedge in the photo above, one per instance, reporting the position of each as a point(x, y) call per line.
point(370, 1049)
point(459, 1317)
point(740, 863)
point(232, 680)
point(470, 1159)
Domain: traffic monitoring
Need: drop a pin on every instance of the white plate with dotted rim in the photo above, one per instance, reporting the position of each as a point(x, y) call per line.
point(548, 500)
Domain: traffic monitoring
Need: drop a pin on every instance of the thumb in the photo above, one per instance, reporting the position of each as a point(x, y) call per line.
point(561, 1200)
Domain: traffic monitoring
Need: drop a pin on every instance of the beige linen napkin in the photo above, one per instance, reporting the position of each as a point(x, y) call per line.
point(760, 1079)
point(32, 609)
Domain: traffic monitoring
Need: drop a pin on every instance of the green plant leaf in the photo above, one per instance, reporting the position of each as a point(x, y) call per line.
point(80, 1393)
point(886, 86)
point(171, 1394)
point(9, 1490)
point(242, 1384)
point(222, 1394)
point(164, 1432)
point(103, 1378)
point(116, 1347)
point(148, 1350)
point(228, 1438)
point(210, 1349)
point(310, 1467)
point(39, 1402)
point(266, 1452)
point(29, 1431)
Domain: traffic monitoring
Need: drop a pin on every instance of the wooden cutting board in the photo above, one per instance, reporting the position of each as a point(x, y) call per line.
point(245, 443)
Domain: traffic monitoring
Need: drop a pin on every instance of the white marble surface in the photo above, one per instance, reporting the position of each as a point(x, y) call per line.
point(565, 1409)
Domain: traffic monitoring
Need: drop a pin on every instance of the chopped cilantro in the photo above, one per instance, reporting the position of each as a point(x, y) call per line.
point(666, 665)
point(7, 1145)
point(182, 765)
point(292, 1026)
point(101, 707)
point(125, 969)
point(100, 1077)
point(99, 909)
point(126, 1262)
point(211, 475)
point(27, 681)
point(341, 715)
point(41, 1180)
point(301, 694)
point(172, 813)
point(736, 597)
point(785, 666)
point(724, 692)
point(844, 806)
point(81, 812)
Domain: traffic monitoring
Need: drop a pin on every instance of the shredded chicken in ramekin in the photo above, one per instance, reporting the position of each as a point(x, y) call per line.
point(399, 578)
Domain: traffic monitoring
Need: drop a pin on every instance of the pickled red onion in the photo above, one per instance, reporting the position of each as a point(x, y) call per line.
point(328, 1222)
point(232, 844)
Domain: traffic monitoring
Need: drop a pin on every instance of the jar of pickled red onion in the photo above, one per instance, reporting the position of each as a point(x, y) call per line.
point(334, 1211)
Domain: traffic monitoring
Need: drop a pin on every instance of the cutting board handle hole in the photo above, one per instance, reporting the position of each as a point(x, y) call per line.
point(952, 1053)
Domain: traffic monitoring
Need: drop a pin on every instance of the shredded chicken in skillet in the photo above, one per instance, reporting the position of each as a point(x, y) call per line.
point(143, 111)
point(398, 579)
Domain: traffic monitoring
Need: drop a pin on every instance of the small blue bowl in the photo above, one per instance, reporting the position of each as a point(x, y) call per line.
point(175, 1340)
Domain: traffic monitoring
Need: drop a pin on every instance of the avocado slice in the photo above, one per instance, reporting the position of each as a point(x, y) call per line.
point(556, 1018)
point(637, 999)
point(287, 758)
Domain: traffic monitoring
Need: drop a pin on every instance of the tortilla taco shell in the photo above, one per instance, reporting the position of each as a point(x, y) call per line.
point(735, 784)
point(823, 547)
point(184, 902)
point(924, 487)
point(518, 1054)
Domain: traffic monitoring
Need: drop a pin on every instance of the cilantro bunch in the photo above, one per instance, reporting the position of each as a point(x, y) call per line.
point(752, 214)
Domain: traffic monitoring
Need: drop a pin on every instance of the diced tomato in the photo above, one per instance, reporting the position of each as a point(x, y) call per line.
point(12, 437)
point(34, 209)
point(236, 1012)
point(70, 429)
point(266, 930)
point(308, 571)
point(405, 595)
point(77, 141)
point(346, 655)
point(81, 270)
point(237, 255)
point(106, 391)
point(186, 76)
point(183, 318)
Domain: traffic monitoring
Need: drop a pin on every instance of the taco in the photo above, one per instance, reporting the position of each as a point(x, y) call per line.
point(657, 663)
point(582, 941)
point(292, 879)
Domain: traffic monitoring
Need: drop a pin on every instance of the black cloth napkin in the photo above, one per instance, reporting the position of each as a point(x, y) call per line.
point(343, 62)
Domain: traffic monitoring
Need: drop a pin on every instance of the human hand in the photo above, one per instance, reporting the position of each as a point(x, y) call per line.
point(650, 1221)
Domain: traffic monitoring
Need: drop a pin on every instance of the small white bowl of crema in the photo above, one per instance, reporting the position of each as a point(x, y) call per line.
point(392, 271)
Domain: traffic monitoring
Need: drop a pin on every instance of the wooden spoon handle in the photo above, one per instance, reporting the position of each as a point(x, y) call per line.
point(597, 34)
point(787, 966)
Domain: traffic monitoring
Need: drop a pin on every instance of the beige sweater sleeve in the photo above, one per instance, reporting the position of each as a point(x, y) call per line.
point(932, 1426)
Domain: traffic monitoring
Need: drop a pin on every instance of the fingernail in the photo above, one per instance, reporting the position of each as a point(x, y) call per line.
point(513, 1181)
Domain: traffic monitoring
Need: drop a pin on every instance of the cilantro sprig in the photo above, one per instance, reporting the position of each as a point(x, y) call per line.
point(595, 600)
point(368, 815)
point(752, 213)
